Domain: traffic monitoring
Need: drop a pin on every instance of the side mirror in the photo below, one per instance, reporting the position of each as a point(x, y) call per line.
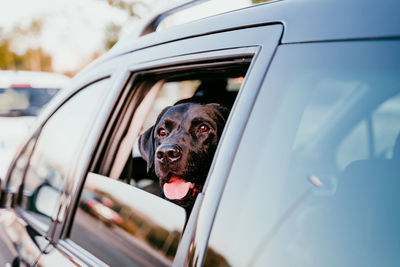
point(46, 200)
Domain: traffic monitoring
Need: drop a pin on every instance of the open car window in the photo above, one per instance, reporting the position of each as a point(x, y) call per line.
point(114, 208)
point(148, 94)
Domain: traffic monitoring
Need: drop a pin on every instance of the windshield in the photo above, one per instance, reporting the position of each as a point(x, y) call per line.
point(24, 101)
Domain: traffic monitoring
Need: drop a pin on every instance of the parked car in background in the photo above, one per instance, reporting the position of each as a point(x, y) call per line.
point(306, 172)
point(23, 94)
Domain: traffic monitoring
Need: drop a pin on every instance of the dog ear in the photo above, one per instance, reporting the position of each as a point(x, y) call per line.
point(222, 115)
point(147, 144)
point(146, 147)
point(222, 110)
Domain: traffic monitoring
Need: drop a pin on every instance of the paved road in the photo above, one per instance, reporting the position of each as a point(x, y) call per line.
point(113, 245)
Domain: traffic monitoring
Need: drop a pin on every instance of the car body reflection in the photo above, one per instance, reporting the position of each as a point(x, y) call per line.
point(100, 207)
point(24, 246)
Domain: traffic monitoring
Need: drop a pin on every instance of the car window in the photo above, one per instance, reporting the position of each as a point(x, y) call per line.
point(56, 148)
point(24, 101)
point(321, 185)
point(373, 137)
point(149, 97)
point(127, 240)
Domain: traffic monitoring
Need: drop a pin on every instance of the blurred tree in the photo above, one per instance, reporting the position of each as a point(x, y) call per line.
point(35, 59)
point(259, 1)
point(32, 58)
point(111, 35)
point(128, 6)
point(7, 57)
point(132, 7)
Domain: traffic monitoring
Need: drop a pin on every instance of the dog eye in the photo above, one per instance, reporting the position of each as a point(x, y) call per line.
point(162, 132)
point(204, 128)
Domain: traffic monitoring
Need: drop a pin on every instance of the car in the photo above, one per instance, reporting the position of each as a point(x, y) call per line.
point(306, 172)
point(23, 94)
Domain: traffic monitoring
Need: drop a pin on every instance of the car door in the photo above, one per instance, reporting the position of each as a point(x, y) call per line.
point(100, 226)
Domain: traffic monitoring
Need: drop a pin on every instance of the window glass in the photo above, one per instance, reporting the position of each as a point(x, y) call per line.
point(321, 185)
point(374, 136)
point(354, 146)
point(126, 226)
point(57, 146)
point(385, 126)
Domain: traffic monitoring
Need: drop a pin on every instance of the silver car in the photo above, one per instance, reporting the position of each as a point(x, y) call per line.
point(306, 172)
point(23, 95)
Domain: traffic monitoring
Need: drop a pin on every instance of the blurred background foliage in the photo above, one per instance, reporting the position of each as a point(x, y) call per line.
point(259, 1)
point(33, 58)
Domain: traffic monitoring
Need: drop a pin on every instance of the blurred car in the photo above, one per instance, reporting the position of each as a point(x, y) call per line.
point(306, 172)
point(23, 94)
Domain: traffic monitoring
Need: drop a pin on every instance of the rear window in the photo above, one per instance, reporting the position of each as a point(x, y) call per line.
point(24, 101)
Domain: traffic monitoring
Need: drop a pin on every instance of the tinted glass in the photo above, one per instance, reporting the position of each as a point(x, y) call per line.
point(126, 226)
point(58, 145)
point(316, 178)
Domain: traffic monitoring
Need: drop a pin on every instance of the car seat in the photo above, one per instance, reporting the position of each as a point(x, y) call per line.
point(369, 198)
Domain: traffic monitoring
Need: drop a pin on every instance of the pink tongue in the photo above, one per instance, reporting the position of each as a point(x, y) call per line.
point(176, 188)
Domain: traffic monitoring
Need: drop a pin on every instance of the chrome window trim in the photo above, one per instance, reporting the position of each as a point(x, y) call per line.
point(79, 255)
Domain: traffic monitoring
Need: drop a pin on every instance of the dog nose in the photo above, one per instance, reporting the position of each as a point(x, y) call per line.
point(169, 152)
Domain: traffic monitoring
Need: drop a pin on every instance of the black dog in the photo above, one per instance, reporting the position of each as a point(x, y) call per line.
point(180, 147)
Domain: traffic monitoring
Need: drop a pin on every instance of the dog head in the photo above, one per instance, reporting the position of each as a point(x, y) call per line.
point(180, 147)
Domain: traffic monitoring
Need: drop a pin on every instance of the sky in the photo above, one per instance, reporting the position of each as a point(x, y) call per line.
point(73, 30)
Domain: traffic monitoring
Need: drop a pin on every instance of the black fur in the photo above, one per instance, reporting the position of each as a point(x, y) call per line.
point(186, 144)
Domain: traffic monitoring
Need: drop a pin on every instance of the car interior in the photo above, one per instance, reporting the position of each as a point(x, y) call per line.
point(361, 188)
point(151, 93)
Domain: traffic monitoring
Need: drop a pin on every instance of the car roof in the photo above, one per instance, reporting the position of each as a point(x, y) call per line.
point(33, 79)
point(303, 20)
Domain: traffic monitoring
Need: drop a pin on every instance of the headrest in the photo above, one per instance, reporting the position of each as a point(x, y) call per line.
point(396, 149)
